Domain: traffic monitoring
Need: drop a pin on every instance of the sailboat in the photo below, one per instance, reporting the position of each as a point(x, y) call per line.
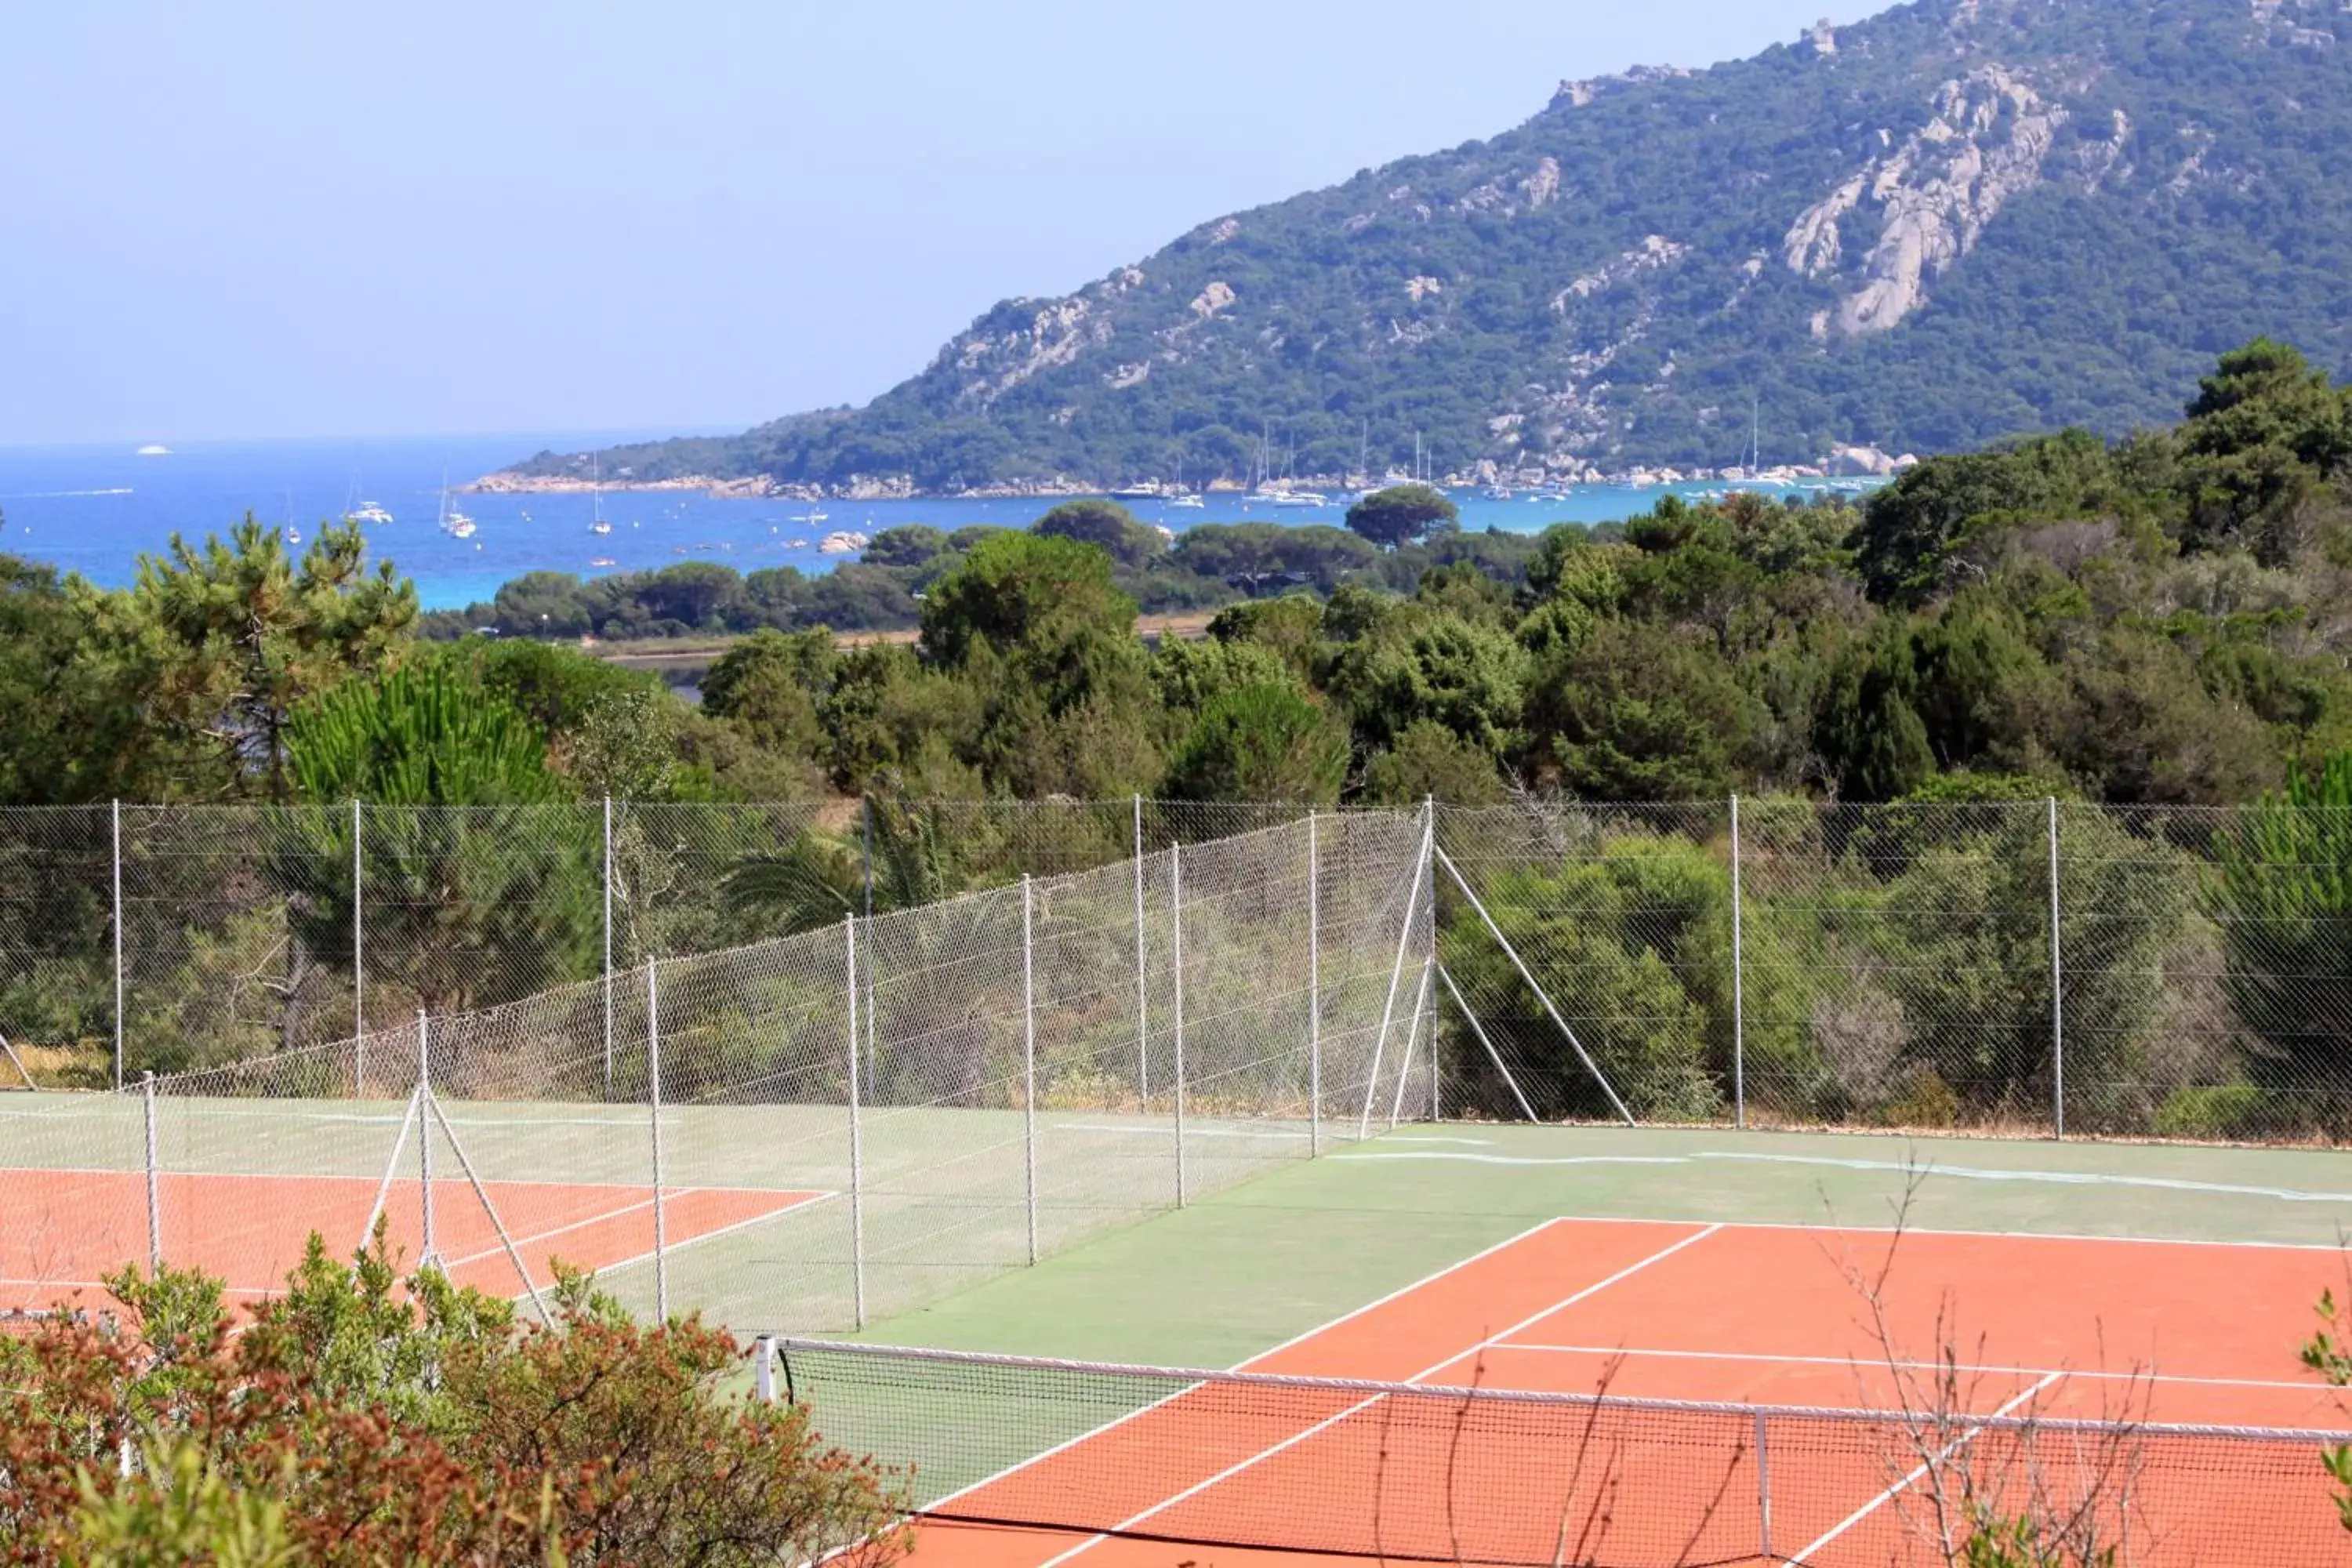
point(454, 522)
point(596, 497)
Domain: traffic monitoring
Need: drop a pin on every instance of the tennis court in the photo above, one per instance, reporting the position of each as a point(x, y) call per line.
point(1758, 1407)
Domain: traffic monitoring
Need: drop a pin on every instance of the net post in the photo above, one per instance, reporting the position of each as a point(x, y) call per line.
point(1763, 1491)
point(1738, 986)
point(359, 934)
point(154, 1180)
point(608, 947)
point(764, 1369)
point(653, 1107)
point(1314, 992)
point(427, 1256)
point(1029, 1055)
point(1142, 970)
point(2057, 989)
point(1176, 971)
point(856, 1135)
point(116, 810)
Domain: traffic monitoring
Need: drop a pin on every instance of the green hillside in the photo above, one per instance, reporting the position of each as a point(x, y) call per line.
point(1957, 221)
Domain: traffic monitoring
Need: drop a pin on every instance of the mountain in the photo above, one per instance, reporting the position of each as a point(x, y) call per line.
point(1958, 220)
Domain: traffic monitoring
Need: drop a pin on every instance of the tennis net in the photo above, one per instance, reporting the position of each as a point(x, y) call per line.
point(1492, 1476)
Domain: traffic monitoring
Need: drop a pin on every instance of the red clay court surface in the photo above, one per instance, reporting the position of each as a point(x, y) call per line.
point(1718, 1313)
point(63, 1229)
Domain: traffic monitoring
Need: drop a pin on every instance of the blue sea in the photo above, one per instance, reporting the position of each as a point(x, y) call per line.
point(95, 509)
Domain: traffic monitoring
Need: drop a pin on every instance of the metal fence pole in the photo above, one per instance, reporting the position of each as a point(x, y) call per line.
point(1314, 993)
point(1176, 971)
point(2057, 990)
point(1142, 970)
point(865, 838)
point(359, 928)
point(608, 947)
point(856, 1137)
point(118, 943)
point(1738, 986)
point(424, 1137)
point(653, 1104)
point(1029, 1054)
point(1763, 1493)
point(154, 1181)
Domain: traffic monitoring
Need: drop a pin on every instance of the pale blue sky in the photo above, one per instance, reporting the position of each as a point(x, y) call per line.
point(250, 218)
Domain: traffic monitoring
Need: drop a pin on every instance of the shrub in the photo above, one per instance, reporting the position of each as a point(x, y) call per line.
point(2209, 1111)
point(347, 1423)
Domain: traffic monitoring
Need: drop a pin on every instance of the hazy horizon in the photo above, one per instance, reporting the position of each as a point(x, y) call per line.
point(296, 225)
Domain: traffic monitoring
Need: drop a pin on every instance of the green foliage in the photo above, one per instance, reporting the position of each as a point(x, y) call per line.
point(2283, 900)
point(235, 635)
point(2328, 1352)
point(1639, 713)
point(451, 874)
point(1430, 761)
point(361, 1418)
point(1104, 524)
point(1616, 941)
point(772, 684)
point(1261, 741)
point(1403, 514)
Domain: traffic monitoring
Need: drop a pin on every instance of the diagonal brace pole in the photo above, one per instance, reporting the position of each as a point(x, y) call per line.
point(482, 1195)
point(1493, 1055)
point(1513, 955)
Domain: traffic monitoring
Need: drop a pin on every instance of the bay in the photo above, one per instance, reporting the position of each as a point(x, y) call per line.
point(95, 509)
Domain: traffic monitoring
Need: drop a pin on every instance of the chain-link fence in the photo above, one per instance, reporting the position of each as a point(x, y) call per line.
point(807, 1129)
point(2030, 966)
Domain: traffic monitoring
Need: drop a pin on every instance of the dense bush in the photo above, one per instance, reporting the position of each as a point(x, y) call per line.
point(353, 1421)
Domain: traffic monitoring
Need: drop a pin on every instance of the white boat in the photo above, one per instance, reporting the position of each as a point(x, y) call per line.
point(810, 516)
point(1189, 503)
point(153, 451)
point(369, 512)
point(596, 496)
point(293, 534)
point(1146, 491)
point(460, 525)
point(601, 561)
point(1299, 498)
point(843, 543)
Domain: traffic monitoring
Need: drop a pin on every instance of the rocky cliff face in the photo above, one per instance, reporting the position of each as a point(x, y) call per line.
point(1958, 219)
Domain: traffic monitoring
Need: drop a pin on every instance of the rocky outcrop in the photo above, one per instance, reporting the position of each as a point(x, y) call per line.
point(1933, 194)
point(1578, 94)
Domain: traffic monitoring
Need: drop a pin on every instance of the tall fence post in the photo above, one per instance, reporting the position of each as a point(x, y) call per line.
point(1763, 1492)
point(2057, 989)
point(856, 1137)
point(117, 876)
point(154, 1180)
point(608, 947)
point(1143, 974)
point(1176, 972)
point(654, 1106)
point(427, 1254)
point(865, 842)
point(1029, 1054)
point(1739, 984)
point(359, 926)
point(1314, 992)
point(1396, 969)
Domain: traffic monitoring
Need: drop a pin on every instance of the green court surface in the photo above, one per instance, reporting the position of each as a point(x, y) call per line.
point(1237, 1273)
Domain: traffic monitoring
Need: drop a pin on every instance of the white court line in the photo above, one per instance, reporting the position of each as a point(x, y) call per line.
point(802, 1207)
point(1843, 1229)
point(1899, 1487)
point(1959, 1173)
point(1430, 1279)
point(801, 1198)
point(1191, 1130)
point(2303, 1387)
point(1363, 1404)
